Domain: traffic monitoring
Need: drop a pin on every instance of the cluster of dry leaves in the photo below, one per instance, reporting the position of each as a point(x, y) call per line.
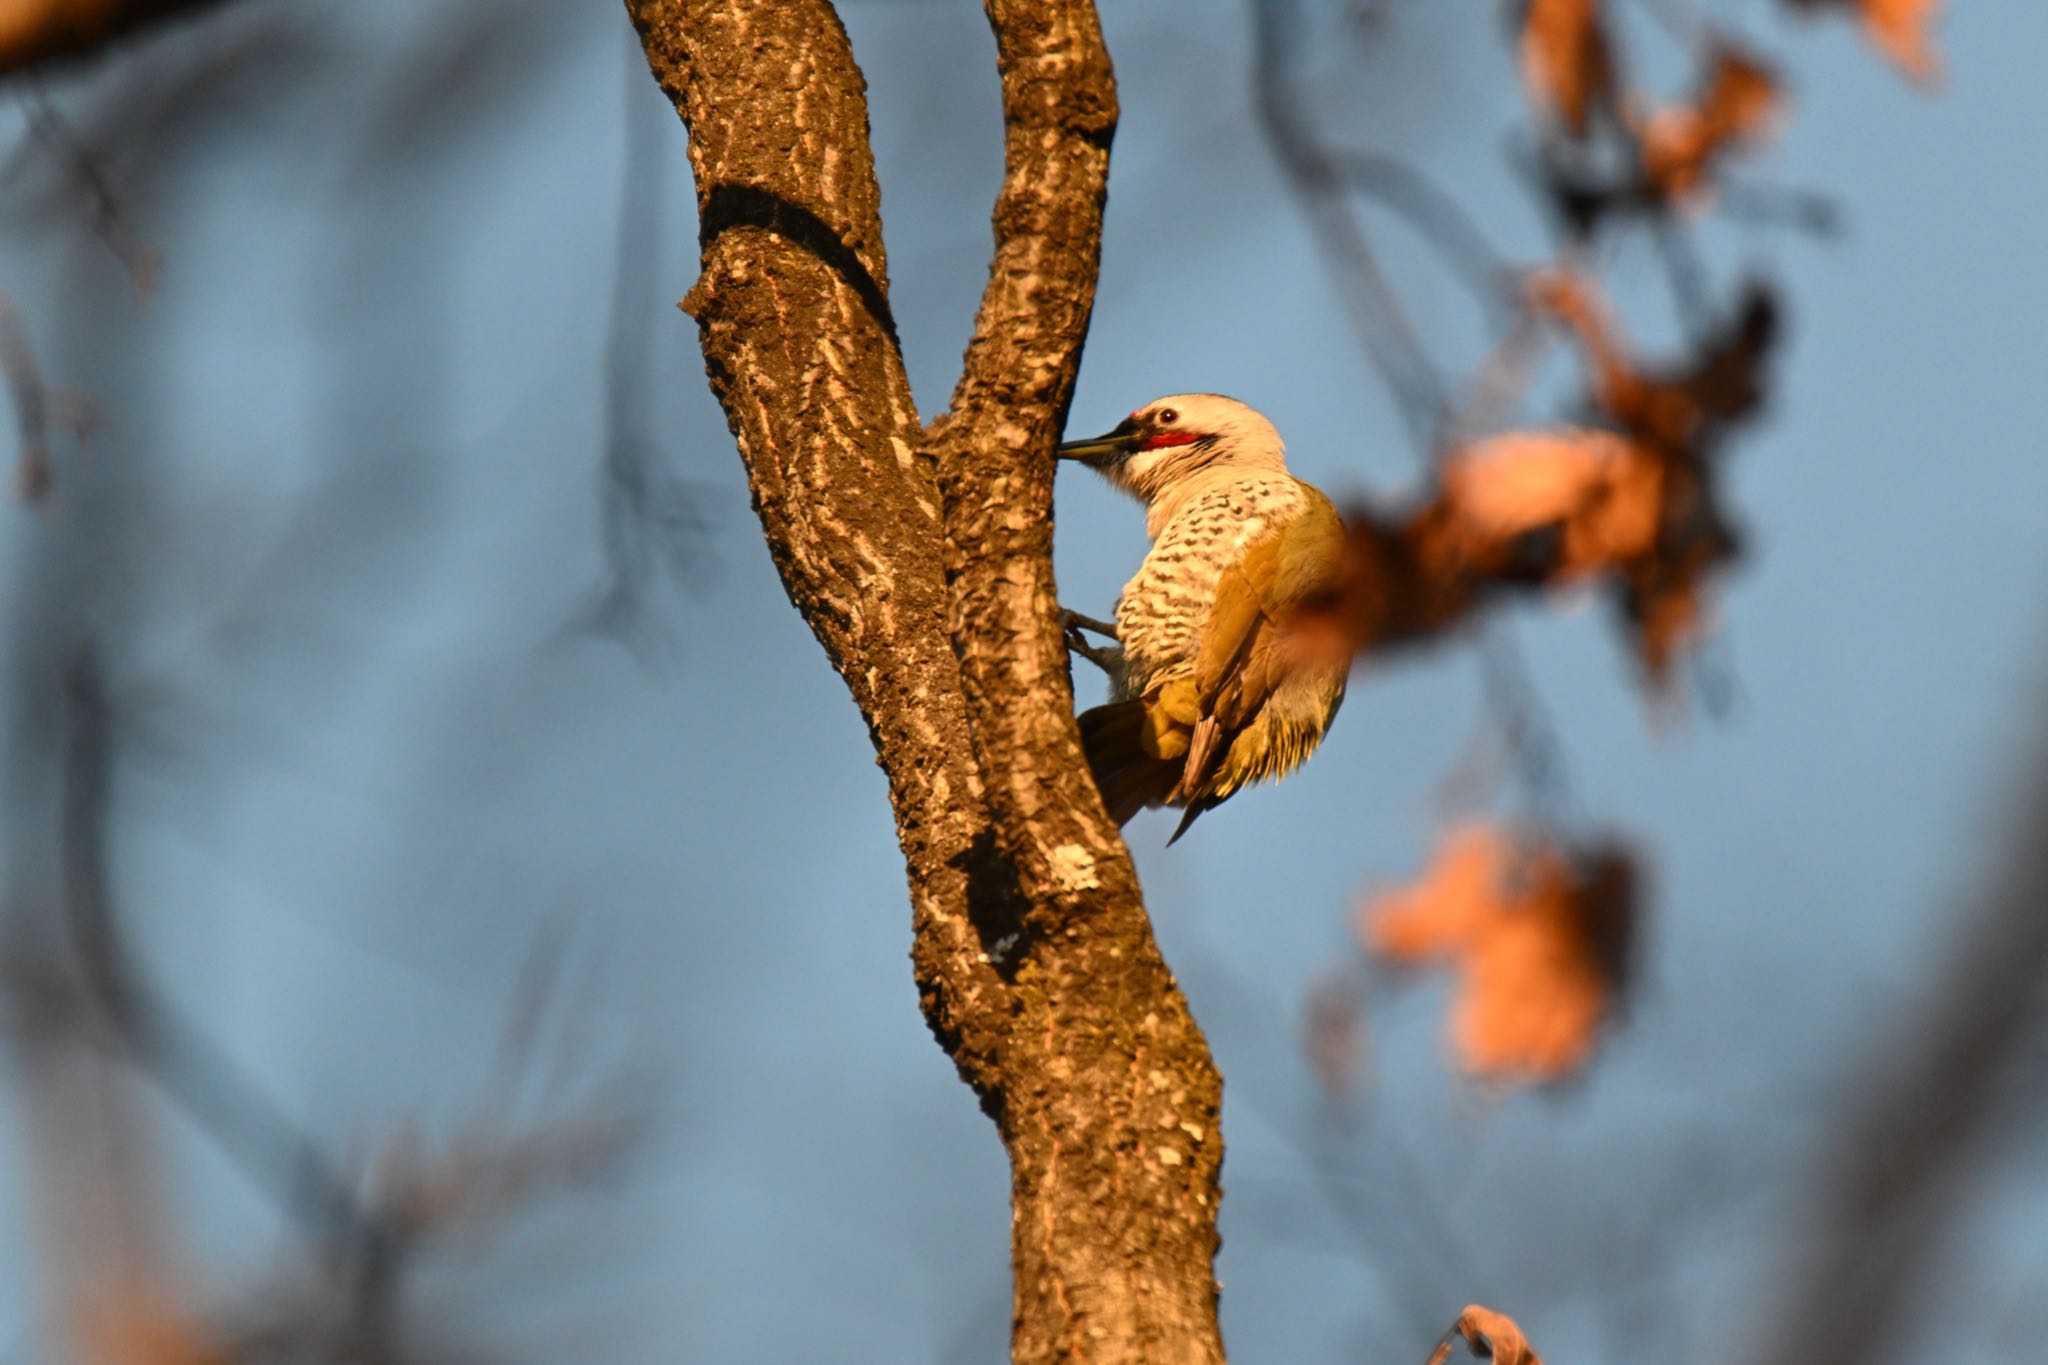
point(1611, 149)
point(1569, 65)
point(1621, 497)
point(1632, 502)
point(1626, 500)
point(1538, 936)
point(1631, 497)
point(1570, 62)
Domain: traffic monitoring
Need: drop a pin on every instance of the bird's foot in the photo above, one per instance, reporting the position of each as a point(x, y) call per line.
point(1075, 626)
point(1073, 622)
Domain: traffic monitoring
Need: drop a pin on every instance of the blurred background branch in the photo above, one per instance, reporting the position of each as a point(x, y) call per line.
point(35, 32)
point(652, 528)
point(1938, 1082)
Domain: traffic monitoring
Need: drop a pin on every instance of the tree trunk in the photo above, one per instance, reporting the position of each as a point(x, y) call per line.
point(921, 557)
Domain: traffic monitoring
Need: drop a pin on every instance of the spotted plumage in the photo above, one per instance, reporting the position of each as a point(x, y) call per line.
point(1162, 609)
point(1207, 692)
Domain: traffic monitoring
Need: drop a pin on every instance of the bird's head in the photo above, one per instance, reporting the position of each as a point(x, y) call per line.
point(1173, 438)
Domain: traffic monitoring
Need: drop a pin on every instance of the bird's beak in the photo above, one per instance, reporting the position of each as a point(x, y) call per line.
point(1110, 446)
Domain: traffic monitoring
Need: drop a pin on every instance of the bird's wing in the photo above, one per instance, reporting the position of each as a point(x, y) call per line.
point(1242, 660)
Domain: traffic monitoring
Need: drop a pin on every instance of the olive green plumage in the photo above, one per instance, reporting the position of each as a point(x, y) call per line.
point(1211, 691)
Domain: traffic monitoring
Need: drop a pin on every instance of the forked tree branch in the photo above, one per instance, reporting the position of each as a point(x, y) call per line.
point(792, 314)
point(922, 562)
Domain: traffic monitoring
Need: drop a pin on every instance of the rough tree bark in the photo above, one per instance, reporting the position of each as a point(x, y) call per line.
point(921, 558)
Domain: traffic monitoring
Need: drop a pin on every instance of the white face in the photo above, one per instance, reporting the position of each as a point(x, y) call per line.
point(1178, 436)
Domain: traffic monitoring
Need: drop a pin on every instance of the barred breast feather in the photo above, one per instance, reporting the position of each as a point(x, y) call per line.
point(1163, 608)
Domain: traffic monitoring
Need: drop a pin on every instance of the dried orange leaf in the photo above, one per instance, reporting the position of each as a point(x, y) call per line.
point(1665, 602)
point(1724, 379)
point(1674, 408)
point(1442, 912)
point(1539, 941)
point(1742, 95)
point(1673, 417)
point(1487, 1334)
point(1621, 522)
point(1403, 576)
point(1534, 991)
point(1566, 61)
point(1510, 484)
point(1602, 491)
point(1679, 145)
point(1899, 28)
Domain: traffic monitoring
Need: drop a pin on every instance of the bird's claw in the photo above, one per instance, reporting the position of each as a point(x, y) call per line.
point(1073, 623)
point(1076, 628)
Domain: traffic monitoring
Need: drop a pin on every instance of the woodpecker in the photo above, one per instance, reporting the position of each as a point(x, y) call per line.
point(1207, 691)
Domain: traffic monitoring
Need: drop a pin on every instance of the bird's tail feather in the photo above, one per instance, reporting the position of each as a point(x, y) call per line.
point(1127, 771)
point(1195, 809)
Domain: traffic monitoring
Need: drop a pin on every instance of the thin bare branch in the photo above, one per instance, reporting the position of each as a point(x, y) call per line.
point(1317, 177)
point(650, 519)
point(1439, 219)
point(193, 1070)
point(38, 409)
point(1897, 1171)
point(110, 221)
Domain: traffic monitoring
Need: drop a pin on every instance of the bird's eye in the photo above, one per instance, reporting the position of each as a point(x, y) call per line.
point(1166, 417)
